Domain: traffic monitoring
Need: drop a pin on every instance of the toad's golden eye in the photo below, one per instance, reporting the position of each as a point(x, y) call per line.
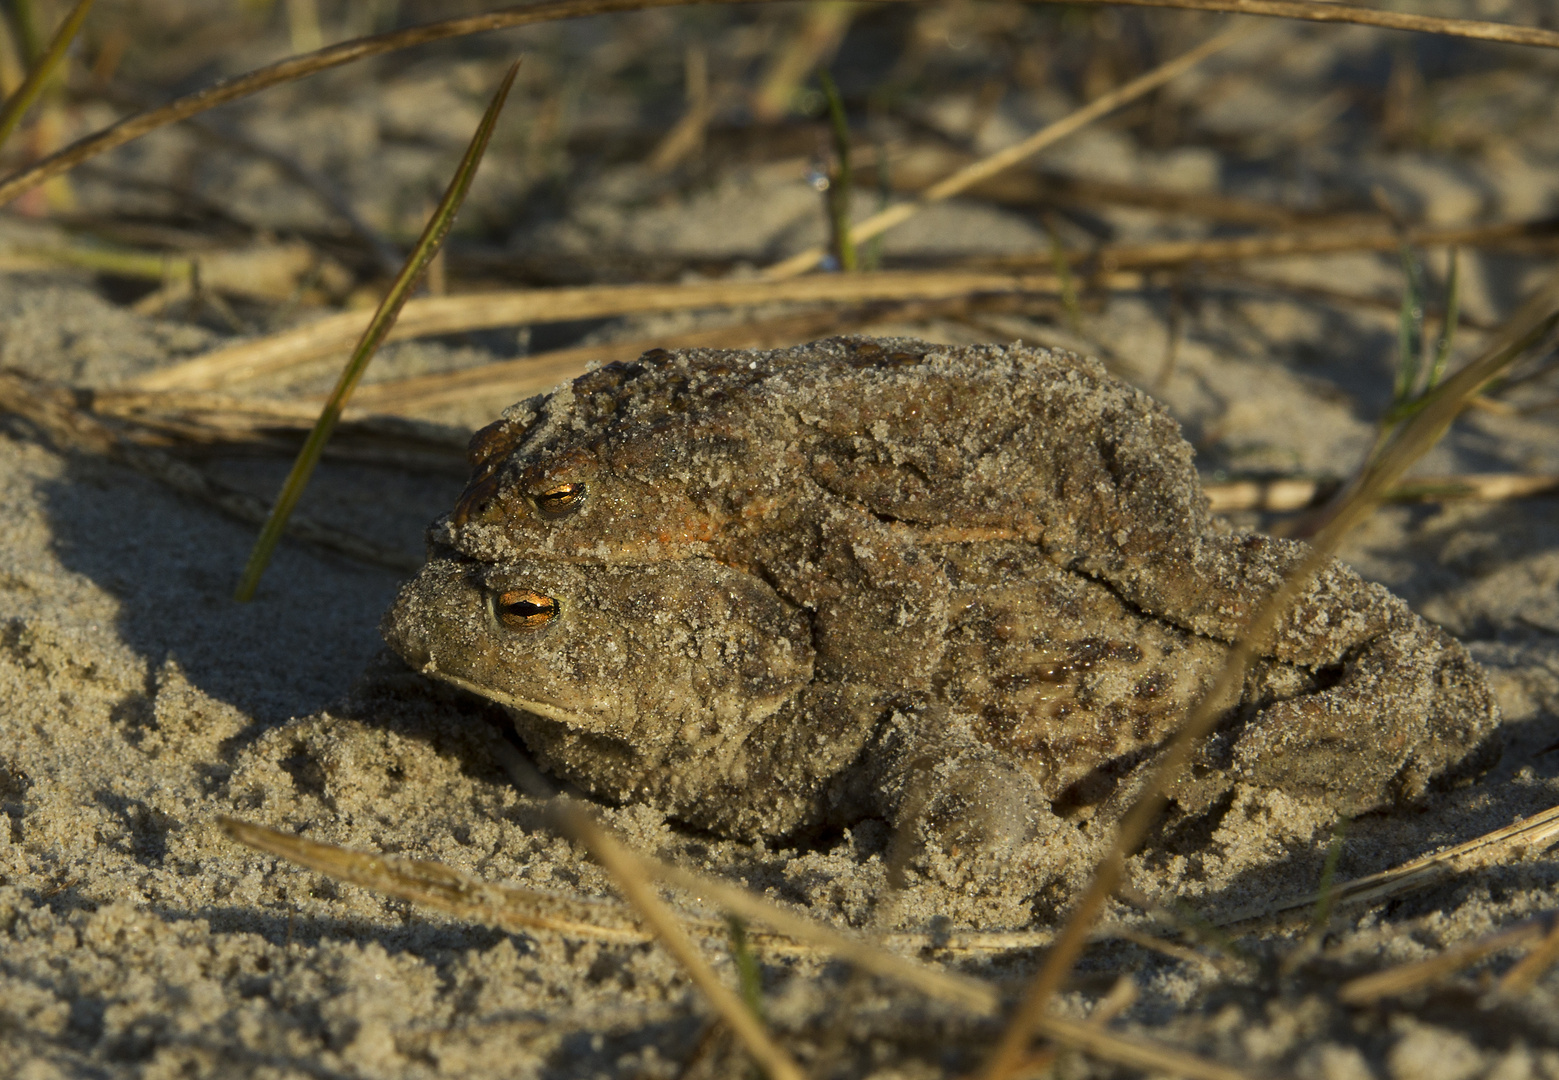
point(522, 609)
point(560, 501)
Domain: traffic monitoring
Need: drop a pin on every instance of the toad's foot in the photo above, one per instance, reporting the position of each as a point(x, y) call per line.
point(1410, 705)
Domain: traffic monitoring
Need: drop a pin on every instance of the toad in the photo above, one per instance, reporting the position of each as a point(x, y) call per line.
point(962, 589)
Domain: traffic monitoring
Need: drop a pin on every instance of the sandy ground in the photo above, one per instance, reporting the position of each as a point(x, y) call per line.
point(140, 702)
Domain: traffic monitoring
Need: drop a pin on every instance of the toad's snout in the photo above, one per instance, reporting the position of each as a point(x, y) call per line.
point(405, 633)
point(434, 611)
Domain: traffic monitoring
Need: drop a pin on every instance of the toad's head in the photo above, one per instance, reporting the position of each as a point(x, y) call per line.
point(644, 654)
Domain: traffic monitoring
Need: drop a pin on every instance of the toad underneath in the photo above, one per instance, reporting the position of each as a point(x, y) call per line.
point(965, 590)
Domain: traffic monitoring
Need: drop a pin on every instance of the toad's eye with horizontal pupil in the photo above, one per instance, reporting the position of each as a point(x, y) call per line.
point(561, 501)
point(521, 609)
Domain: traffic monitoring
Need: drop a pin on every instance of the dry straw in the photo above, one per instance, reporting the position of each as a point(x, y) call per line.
point(57, 413)
point(1407, 444)
point(297, 67)
point(741, 1019)
point(984, 169)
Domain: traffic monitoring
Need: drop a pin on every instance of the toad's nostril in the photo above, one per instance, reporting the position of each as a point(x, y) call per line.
point(403, 633)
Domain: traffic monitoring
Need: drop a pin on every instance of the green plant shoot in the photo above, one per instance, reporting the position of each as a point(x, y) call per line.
point(427, 246)
point(38, 75)
point(842, 182)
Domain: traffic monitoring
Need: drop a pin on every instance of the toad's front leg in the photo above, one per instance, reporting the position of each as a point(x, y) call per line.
point(959, 806)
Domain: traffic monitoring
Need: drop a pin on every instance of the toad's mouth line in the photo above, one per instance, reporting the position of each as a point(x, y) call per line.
point(540, 708)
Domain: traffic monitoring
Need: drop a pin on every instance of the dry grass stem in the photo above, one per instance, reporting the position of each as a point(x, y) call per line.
point(1531, 967)
point(450, 891)
point(199, 420)
point(58, 415)
point(1324, 11)
point(1121, 1049)
point(135, 404)
point(1406, 978)
point(512, 380)
point(989, 166)
point(443, 315)
point(686, 138)
point(429, 316)
point(771, 1058)
point(1411, 440)
point(1167, 948)
point(810, 44)
point(1502, 846)
point(520, 909)
point(509, 907)
point(1294, 242)
point(969, 993)
point(1289, 494)
point(923, 165)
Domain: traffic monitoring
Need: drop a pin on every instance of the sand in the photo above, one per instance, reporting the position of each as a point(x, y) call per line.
point(138, 703)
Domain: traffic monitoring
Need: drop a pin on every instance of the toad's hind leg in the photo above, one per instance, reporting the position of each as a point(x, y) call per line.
point(1409, 705)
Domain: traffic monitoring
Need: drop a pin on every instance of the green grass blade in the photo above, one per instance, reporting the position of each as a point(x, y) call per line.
point(27, 93)
point(1063, 269)
point(384, 318)
point(22, 17)
point(1453, 314)
point(1410, 330)
point(1321, 916)
point(748, 977)
point(843, 181)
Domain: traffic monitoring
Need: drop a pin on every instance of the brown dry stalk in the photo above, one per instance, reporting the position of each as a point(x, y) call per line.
point(916, 168)
point(1324, 11)
point(1410, 442)
point(1501, 846)
point(989, 166)
point(969, 993)
point(442, 315)
point(435, 885)
point(636, 889)
point(297, 67)
point(515, 908)
point(428, 316)
point(58, 414)
point(1155, 1057)
point(515, 379)
point(1174, 950)
point(1524, 975)
point(1322, 241)
point(1405, 978)
point(1286, 494)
